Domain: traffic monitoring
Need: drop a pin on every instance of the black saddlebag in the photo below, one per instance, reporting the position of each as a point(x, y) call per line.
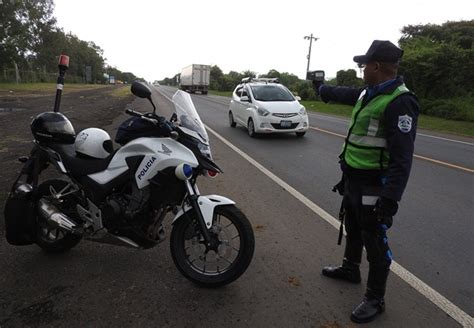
point(20, 217)
point(134, 128)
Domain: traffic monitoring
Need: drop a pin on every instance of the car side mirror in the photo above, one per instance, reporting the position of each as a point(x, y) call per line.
point(298, 98)
point(245, 99)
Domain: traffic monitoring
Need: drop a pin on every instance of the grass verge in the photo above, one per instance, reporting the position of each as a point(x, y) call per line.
point(45, 87)
point(121, 91)
point(221, 93)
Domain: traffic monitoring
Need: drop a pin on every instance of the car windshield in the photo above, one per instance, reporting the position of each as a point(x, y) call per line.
point(268, 92)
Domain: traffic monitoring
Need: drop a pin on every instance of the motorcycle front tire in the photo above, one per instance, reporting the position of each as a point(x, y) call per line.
point(232, 257)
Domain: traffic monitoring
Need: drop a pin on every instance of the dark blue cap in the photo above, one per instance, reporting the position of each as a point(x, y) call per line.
point(381, 51)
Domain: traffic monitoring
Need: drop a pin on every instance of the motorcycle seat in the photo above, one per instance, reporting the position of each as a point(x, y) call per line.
point(80, 165)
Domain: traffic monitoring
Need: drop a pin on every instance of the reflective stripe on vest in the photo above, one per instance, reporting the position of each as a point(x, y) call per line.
point(366, 144)
point(368, 141)
point(373, 127)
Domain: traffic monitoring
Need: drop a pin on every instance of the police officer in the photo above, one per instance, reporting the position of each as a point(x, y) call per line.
point(376, 159)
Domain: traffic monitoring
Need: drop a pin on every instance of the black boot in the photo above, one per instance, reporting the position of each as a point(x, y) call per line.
point(368, 309)
point(348, 272)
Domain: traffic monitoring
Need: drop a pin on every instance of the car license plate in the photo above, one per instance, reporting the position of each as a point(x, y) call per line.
point(285, 124)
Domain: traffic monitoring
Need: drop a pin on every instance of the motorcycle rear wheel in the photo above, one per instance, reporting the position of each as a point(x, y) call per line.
point(53, 240)
point(213, 268)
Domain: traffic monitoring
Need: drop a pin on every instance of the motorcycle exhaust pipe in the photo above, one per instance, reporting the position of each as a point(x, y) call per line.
point(55, 218)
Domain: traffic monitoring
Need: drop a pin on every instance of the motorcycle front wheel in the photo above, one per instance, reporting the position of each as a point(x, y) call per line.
point(213, 266)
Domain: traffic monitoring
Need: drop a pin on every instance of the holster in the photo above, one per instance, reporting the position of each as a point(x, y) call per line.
point(339, 188)
point(342, 215)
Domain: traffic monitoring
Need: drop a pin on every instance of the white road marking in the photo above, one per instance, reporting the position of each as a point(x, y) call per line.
point(445, 139)
point(439, 300)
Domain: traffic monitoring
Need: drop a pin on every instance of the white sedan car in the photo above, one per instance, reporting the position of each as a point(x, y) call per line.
point(265, 107)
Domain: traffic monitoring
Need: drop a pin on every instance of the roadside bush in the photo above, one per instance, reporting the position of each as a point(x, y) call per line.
point(304, 89)
point(459, 109)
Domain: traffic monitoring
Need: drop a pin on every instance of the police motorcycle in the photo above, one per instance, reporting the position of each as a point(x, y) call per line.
point(122, 197)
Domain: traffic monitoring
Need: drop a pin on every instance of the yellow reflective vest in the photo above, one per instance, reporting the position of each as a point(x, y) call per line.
point(365, 147)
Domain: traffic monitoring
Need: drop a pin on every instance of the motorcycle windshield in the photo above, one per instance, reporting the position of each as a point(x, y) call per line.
point(188, 117)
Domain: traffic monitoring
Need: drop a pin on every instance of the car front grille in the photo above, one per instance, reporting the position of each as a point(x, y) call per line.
point(284, 114)
point(279, 127)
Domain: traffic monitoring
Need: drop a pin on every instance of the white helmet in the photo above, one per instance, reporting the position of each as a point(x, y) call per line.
point(94, 142)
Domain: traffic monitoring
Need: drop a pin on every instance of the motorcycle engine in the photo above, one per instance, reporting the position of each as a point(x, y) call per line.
point(125, 205)
point(126, 215)
point(115, 206)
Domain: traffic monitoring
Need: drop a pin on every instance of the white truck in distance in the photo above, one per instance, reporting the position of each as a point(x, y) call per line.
point(194, 78)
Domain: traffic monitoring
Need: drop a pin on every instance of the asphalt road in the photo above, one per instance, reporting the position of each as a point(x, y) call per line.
point(432, 234)
point(105, 286)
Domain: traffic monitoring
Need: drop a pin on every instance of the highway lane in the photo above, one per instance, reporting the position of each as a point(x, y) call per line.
point(456, 151)
point(432, 235)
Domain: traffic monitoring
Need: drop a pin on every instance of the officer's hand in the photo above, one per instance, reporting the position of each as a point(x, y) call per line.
point(316, 85)
point(385, 209)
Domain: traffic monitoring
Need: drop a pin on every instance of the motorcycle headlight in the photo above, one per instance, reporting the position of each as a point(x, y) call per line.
point(262, 111)
point(302, 111)
point(205, 149)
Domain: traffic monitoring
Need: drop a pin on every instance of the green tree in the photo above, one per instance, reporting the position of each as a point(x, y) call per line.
point(234, 78)
point(216, 78)
point(348, 78)
point(437, 65)
point(30, 39)
point(273, 73)
point(249, 73)
point(289, 80)
point(21, 22)
point(439, 59)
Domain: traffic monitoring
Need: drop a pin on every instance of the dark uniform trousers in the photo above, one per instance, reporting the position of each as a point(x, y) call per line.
point(363, 229)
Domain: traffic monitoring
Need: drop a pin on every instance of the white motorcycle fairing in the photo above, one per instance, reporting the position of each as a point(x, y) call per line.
point(159, 153)
point(206, 205)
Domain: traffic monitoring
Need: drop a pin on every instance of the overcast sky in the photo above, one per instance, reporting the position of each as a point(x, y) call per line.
point(156, 39)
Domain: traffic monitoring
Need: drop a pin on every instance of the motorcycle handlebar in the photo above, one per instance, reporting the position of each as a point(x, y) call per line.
point(133, 113)
point(142, 116)
point(160, 122)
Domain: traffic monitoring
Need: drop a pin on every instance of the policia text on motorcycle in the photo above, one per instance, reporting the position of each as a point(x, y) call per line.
point(375, 160)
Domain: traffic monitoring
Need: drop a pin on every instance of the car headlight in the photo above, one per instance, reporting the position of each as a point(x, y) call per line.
point(302, 111)
point(262, 111)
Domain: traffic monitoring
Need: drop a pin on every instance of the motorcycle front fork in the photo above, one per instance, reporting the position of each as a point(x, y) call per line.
point(193, 197)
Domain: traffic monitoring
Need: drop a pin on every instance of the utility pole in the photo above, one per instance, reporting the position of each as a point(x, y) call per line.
point(310, 38)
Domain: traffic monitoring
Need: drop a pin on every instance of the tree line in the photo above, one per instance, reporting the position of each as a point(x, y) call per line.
point(437, 65)
point(31, 42)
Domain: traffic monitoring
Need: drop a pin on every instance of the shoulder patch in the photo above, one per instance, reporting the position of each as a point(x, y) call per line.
point(405, 123)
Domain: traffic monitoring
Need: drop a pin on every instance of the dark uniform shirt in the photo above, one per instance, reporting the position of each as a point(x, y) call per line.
point(401, 131)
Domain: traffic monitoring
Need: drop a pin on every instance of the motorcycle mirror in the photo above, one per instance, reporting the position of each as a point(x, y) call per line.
point(141, 90)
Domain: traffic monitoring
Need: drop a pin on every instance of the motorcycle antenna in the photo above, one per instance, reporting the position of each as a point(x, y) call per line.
point(63, 66)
